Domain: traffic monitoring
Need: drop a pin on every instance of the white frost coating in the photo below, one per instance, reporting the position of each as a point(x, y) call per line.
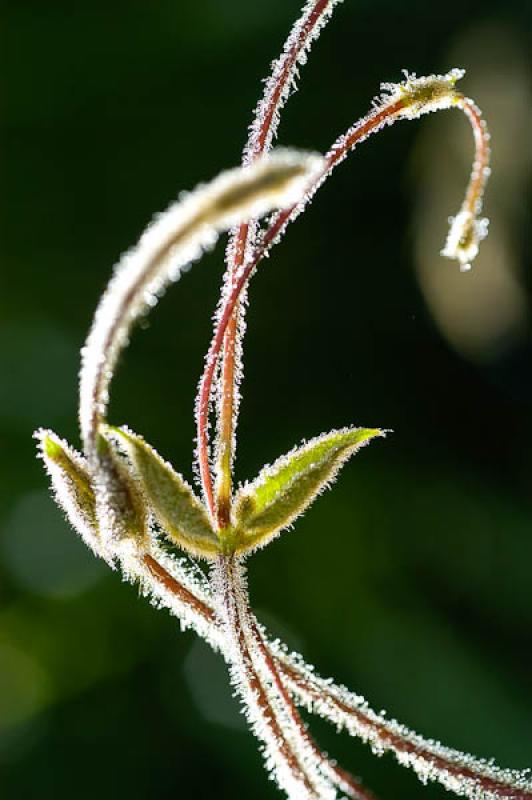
point(436, 93)
point(224, 619)
point(330, 461)
point(238, 374)
point(169, 244)
point(288, 752)
point(65, 495)
point(262, 133)
point(416, 96)
point(468, 228)
point(282, 80)
point(458, 772)
point(128, 555)
point(135, 570)
point(422, 95)
point(339, 154)
point(465, 234)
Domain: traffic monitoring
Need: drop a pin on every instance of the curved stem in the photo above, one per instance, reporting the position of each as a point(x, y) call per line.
point(262, 133)
point(178, 590)
point(266, 709)
point(461, 773)
point(173, 240)
point(481, 169)
point(458, 772)
point(342, 779)
point(234, 289)
point(400, 105)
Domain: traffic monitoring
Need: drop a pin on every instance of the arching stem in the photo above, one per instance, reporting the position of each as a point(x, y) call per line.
point(226, 329)
point(262, 133)
point(294, 681)
point(462, 244)
point(300, 768)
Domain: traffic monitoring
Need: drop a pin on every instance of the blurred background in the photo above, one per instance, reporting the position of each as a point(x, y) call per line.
point(410, 582)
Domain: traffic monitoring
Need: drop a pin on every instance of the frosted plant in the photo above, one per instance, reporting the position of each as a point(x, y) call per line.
point(130, 506)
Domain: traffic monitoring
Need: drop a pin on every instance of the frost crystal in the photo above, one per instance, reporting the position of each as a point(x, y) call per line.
point(290, 754)
point(127, 503)
point(73, 491)
point(422, 95)
point(173, 240)
point(285, 489)
point(282, 80)
point(465, 234)
point(262, 133)
point(461, 773)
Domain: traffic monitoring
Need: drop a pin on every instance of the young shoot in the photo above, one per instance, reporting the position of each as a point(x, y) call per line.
point(133, 509)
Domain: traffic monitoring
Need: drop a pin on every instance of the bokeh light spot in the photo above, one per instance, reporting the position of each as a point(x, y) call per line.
point(208, 681)
point(42, 553)
point(23, 687)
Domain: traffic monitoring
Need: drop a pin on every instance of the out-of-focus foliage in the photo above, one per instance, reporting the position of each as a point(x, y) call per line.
point(108, 111)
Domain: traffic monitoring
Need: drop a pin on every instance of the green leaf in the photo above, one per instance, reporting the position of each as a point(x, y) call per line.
point(121, 508)
point(173, 503)
point(285, 489)
point(72, 485)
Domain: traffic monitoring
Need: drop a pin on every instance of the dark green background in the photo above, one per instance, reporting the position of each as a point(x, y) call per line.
point(411, 581)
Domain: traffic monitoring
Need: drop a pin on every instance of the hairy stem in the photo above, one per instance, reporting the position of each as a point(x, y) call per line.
point(262, 133)
point(341, 778)
point(458, 772)
point(236, 284)
point(481, 169)
point(184, 595)
point(266, 710)
point(173, 240)
point(463, 774)
point(400, 105)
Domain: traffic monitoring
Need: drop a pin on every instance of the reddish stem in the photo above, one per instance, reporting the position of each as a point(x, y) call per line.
point(346, 781)
point(263, 131)
point(183, 594)
point(162, 575)
point(253, 678)
point(475, 189)
point(322, 693)
point(391, 740)
point(337, 153)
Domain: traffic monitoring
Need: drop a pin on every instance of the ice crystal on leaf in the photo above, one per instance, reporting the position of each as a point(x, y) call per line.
point(71, 483)
point(284, 490)
point(180, 514)
point(133, 509)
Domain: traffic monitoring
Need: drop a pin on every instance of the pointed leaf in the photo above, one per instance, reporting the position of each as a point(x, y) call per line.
point(173, 503)
point(121, 508)
point(72, 486)
point(284, 490)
